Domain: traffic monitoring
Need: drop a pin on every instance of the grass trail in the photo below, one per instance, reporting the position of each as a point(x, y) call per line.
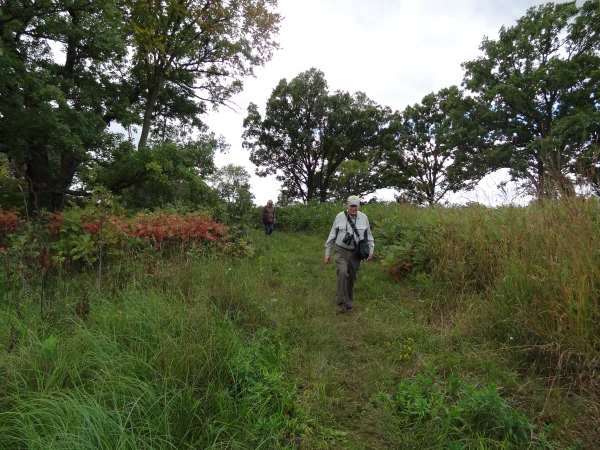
point(190, 332)
point(345, 364)
point(342, 361)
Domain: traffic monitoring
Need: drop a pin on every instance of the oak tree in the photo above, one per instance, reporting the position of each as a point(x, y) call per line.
point(69, 69)
point(423, 164)
point(156, 174)
point(352, 177)
point(51, 108)
point(188, 53)
point(307, 133)
point(537, 90)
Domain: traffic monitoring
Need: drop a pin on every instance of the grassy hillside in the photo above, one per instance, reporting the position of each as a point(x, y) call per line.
point(202, 350)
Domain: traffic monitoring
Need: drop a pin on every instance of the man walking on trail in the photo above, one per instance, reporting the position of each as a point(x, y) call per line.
point(348, 227)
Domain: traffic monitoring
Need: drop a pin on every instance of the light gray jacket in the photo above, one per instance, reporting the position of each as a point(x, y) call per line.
point(341, 226)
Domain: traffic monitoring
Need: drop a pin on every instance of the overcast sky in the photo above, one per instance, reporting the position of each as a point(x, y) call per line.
point(395, 51)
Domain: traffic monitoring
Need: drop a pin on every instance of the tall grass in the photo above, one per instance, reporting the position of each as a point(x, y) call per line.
point(538, 267)
point(194, 349)
point(167, 363)
point(550, 280)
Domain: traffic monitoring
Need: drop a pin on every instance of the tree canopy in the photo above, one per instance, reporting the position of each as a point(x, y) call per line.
point(72, 68)
point(233, 186)
point(51, 109)
point(190, 52)
point(74, 72)
point(422, 165)
point(537, 90)
point(307, 133)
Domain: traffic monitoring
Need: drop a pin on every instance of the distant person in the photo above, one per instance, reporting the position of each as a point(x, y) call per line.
point(268, 217)
point(343, 236)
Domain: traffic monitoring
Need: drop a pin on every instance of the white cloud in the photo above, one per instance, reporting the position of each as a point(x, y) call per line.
point(396, 51)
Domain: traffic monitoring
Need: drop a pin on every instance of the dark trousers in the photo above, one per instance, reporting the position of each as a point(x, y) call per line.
point(268, 226)
point(347, 267)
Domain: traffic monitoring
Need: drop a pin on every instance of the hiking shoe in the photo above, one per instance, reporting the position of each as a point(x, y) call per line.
point(341, 309)
point(349, 310)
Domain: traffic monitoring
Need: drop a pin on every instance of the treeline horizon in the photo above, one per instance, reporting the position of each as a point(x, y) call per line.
point(529, 104)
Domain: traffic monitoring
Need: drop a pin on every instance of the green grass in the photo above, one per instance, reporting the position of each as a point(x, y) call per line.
point(344, 362)
point(218, 352)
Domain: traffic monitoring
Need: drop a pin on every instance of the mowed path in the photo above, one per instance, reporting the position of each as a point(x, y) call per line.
point(341, 361)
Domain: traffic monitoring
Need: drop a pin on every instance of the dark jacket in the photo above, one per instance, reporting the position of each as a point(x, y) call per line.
point(268, 211)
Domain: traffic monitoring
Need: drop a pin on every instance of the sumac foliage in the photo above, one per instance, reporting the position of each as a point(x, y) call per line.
point(9, 221)
point(173, 229)
point(82, 234)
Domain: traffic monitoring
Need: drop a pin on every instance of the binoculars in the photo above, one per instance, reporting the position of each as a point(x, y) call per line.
point(348, 239)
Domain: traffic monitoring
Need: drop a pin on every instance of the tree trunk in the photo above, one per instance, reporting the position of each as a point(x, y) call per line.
point(47, 183)
point(150, 103)
point(324, 189)
point(310, 188)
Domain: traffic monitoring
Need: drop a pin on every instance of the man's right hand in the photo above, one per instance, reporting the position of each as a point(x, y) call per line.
point(327, 258)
